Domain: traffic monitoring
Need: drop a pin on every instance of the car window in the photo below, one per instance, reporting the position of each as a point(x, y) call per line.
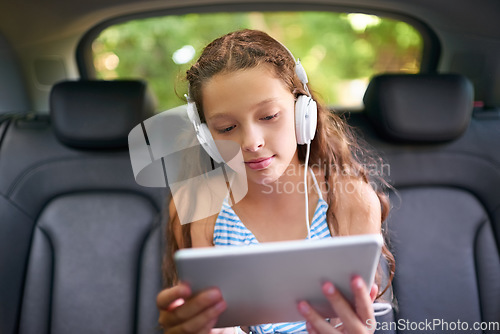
point(340, 51)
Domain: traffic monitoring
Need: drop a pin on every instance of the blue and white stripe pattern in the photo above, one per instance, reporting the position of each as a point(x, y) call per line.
point(230, 231)
point(284, 327)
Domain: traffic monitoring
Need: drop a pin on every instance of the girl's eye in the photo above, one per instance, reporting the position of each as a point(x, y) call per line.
point(226, 130)
point(270, 117)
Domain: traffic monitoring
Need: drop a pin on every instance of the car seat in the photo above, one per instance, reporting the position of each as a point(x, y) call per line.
point(80, 241)
point(444, 225)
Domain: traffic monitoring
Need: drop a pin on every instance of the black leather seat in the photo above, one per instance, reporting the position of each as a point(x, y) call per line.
point(445, 222)
point(80, 241)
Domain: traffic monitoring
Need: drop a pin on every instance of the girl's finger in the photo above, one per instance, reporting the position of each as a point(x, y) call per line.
point(351, 321)
point(310, 328)
point(168, 296)
point(373, 292)
point(201, 323)
point(362, 300)
point(316, 323)
point(189, 309)
point(337, 324)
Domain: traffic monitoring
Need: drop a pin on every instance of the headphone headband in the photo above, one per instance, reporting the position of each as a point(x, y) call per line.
point(299, 69)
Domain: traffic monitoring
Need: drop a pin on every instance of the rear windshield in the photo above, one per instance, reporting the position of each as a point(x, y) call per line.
point(340, 51)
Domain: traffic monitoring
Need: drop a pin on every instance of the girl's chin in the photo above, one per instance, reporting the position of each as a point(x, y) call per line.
point(265, 181)
point(265, 177)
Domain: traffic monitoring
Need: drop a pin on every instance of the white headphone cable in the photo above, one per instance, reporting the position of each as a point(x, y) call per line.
point(379, 309)
point(306, 167)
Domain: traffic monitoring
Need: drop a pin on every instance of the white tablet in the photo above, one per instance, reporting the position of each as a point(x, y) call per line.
point(263, 283)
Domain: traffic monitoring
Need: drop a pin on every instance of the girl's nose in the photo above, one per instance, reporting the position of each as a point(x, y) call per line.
point(252, 140)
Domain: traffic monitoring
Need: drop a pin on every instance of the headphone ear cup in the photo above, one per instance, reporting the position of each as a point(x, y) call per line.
point(203, 133)
point(192, 113)
point(208, 143)
point(306, 119)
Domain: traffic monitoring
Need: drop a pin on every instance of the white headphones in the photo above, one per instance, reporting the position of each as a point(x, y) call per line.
point(306, 118)
point(202, 132)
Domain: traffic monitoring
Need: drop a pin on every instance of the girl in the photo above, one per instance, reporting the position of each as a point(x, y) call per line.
point(245, 89)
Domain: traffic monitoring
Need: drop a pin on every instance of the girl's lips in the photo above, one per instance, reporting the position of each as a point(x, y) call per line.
point(260, 163)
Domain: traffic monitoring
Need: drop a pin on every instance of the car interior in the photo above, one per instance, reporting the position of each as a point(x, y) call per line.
point(81, 243)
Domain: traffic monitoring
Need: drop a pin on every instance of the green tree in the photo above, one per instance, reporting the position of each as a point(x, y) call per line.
point(340, 51)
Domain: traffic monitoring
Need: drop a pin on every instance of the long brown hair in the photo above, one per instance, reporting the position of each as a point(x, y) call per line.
point(334, 144)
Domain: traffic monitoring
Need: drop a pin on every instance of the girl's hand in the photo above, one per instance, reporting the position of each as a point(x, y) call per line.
point(180, 312)
point(352, 321)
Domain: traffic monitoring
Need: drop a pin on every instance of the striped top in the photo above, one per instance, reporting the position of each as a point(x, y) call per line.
point(230, 231)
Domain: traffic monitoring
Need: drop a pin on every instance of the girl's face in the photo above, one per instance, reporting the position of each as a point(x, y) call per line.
point(255, 109)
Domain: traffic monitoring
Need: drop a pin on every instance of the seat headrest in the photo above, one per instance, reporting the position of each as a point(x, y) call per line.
point(420, 107)
point(99, 114)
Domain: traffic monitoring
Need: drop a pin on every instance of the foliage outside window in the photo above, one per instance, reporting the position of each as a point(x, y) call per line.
point(339, 51)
